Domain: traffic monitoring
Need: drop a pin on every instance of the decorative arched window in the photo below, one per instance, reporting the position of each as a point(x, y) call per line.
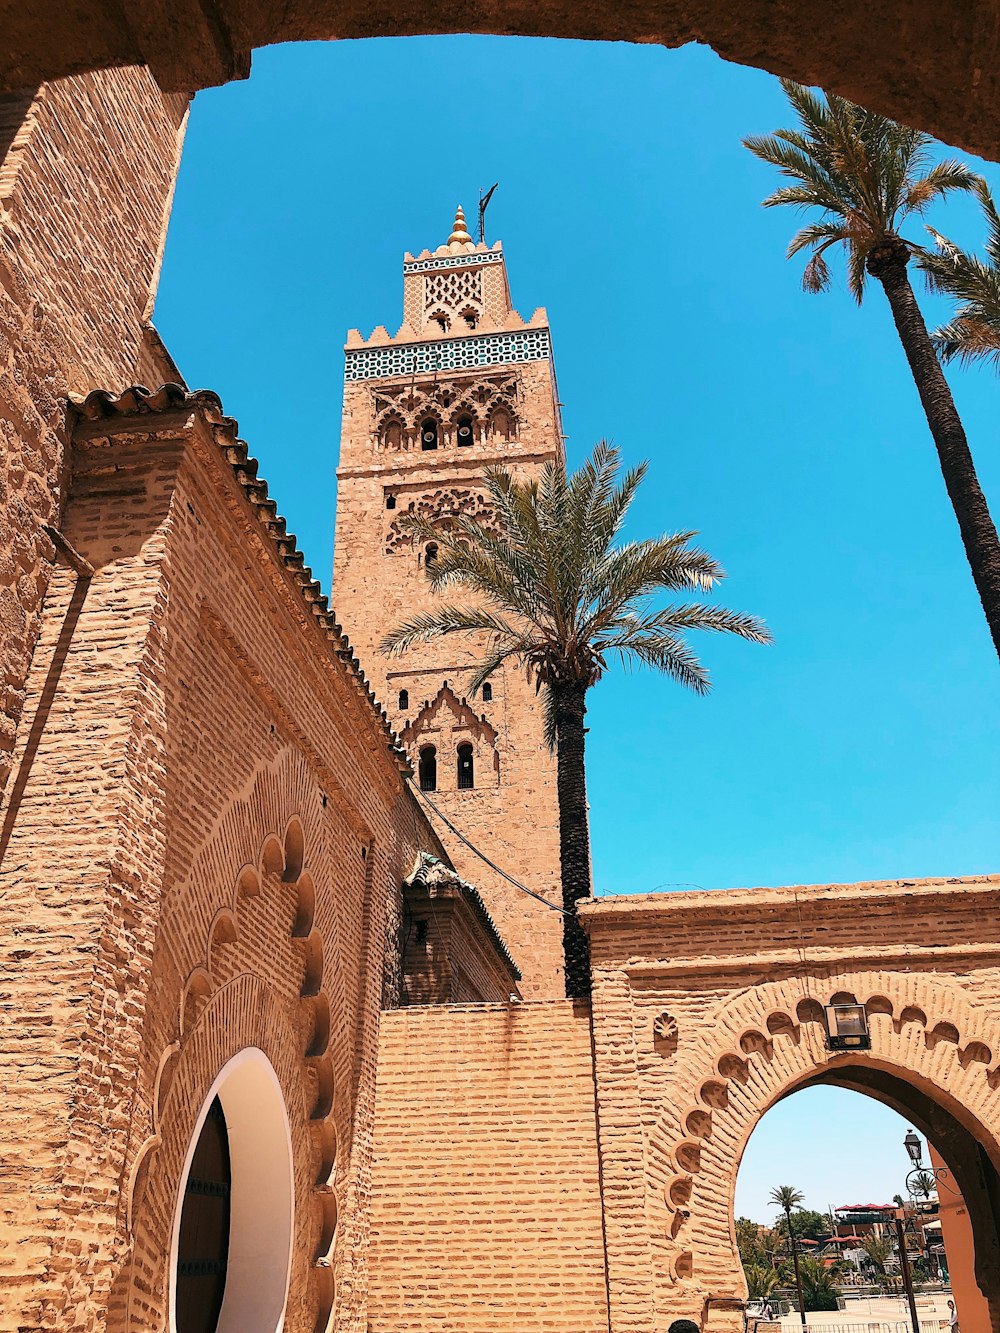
point(427, 769)
point(502, 425)
point(429, 434)
point(203, 1240)
point(392, 435)
point(404, 700)
point(463, 434)
point(390, 502)
point(465, 772)
point(487, 693)
point(430, 555)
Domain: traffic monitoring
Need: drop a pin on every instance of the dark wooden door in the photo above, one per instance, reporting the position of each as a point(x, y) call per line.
point(203, 1249)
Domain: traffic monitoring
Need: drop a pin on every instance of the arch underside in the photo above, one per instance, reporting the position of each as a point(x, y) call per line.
point(926, 64)
point(931, 1060)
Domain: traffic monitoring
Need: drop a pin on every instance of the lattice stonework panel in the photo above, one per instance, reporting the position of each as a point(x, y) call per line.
point(453, 289)
point(451, 261)
point(447, 399)
point(491, 349)
point(437, 508)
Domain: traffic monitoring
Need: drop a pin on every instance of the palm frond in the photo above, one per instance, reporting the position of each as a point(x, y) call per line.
point(863, 173)
point(555, 588)
point(445, 620)
point(973, 333)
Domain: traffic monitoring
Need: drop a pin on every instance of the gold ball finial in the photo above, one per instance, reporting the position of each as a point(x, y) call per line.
point(460, 234)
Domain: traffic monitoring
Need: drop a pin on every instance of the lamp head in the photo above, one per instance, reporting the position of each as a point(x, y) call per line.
point(914, 1147)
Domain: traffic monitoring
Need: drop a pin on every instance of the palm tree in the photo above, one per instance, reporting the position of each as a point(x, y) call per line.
point(556, 594)
point(762, 1281)
point(866, 174)
point(819, 1284)
point(974, 332)
point(787, 1198)
point(878, 1249)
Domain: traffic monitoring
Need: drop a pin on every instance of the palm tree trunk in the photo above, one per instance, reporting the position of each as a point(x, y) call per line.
point(887, 263)
point(569, 701)
point(795, 1261)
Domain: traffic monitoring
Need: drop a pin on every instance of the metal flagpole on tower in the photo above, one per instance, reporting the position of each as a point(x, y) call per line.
point(483, 204)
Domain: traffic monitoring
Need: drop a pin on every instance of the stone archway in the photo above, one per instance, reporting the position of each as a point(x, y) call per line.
point(930, 65)
point(929, 1060)
point(709, 1008)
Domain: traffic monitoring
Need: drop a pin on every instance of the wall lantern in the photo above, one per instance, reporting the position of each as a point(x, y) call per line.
point(913, 1147)
point(847, 1028)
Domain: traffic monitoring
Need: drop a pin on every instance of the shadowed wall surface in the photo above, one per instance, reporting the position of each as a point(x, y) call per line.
point(934, 66)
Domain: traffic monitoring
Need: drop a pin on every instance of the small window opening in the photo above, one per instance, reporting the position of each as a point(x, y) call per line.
point(420, 931)
point(465, 774)
point(442, 322)
point(471, 318)
point(390, 502)
point(404, 700)
point(429, 434)
point(487, 693)
point(430, 555)
point(502, 425)
point(427, 768)
point(465, 430)
point(392, 435)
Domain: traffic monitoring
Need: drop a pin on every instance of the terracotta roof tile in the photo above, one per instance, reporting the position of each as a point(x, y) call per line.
point(428, 873)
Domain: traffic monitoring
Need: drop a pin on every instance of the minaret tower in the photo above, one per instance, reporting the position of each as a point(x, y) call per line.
point(465, 384)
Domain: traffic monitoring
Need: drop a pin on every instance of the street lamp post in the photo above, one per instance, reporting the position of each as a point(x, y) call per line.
point(904, 1265)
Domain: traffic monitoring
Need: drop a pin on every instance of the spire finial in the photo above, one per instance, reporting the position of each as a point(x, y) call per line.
point(460, 234)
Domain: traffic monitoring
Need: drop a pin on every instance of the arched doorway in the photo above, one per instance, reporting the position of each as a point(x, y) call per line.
point(927, 1061)
point(840, 1146)
point(710, 1008)
point(232, 1235)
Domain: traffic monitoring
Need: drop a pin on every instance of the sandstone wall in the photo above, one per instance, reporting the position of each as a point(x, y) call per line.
point(486, 1214)
point(709, 1007)
point(86, 171)
point(925, 64)
point(205, 855)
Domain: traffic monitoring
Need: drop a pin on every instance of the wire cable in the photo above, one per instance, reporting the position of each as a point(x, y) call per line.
point(482, 855)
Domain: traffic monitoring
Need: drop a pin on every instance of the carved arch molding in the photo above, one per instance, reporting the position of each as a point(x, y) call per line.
point(266, 976)
point(737, 1060)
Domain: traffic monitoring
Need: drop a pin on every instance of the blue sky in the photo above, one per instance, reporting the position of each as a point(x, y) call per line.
point(784, 427)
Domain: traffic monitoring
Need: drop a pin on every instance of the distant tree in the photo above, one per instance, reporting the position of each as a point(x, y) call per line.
point(788, 1197)
point(819, 1284)
point(748, 1241)
point(923, 1184)
point(762, 1281)
point(807, 1223)
point(878, 1249)
point(877, 1252)
point(865, 175)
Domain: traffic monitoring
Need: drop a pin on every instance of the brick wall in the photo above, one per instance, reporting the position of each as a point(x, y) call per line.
point(709, 1007)
point(486, 1213)
point(86, 169)
point(205, 852)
